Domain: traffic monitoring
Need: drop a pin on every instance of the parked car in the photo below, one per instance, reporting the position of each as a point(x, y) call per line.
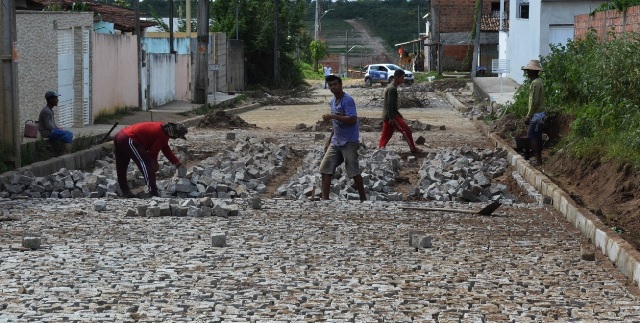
point(383, 73)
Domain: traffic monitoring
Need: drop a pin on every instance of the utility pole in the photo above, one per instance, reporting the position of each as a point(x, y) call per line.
point(276, 44)
point(171, 50)
point(315, 35)
point(188, 18)
point(202, 57)
point(346, 60)
point(476, 45)
point(9, 107)
point(237, 4)
point(139, 49)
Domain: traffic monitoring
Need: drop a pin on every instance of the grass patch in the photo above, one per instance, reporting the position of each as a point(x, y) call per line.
point(109, 117)
point(309, 73)
point(424, 76)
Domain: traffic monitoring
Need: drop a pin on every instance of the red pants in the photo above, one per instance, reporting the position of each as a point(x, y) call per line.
point(401, 126)
point(126, 149)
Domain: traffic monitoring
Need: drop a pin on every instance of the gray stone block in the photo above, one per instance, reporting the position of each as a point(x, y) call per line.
point(153, 211)
point(100, 206)
point(31, 242)
point(231, 136)
point(131, 213)
point(218, 238)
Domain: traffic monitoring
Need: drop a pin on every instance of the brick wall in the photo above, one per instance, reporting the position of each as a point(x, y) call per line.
point(38, 57)
point(608, 21)
point(457, 15)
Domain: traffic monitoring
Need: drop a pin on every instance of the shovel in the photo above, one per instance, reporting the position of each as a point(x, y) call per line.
point(487, 210)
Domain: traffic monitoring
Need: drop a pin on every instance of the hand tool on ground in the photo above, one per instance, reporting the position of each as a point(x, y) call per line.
point(487, 210)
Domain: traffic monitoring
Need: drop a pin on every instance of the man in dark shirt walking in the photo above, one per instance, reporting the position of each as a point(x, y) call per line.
point(391, 118)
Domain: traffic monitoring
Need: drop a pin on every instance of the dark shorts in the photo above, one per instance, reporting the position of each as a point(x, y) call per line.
point(535, 131)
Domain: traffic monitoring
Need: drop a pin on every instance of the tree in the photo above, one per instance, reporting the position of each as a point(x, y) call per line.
point(256, 29)
point(319, 50)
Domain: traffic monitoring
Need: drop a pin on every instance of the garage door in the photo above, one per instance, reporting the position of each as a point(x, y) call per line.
point(65, 78)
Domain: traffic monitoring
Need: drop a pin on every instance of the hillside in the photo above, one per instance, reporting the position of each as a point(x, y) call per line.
point(368, 30)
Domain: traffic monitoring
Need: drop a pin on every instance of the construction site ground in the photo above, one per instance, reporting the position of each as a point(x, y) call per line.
point(309, 261)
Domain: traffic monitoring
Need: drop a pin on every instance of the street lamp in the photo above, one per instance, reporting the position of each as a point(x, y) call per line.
point(317, 24)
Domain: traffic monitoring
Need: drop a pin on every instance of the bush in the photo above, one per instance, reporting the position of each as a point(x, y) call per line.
point(597, 82)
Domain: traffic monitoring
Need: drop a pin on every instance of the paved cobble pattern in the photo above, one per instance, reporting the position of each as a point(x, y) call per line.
point(302, 261)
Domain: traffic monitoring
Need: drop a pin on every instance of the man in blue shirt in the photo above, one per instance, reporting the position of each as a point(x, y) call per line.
point(343, 142)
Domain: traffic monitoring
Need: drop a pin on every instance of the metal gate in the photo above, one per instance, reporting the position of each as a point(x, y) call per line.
point(65, 78)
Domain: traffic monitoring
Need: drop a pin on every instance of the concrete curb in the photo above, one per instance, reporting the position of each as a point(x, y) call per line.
point(623, 255)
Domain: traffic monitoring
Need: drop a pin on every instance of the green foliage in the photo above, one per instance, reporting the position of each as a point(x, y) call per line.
point(597, 83)
point(620, 5)
point(309, 72)
point(256, 28)
point(155, 17)
point(424, 76)
point(319, 50)
point(395, 21)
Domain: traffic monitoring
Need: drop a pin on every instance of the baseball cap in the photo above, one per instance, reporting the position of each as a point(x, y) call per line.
point(49, 94)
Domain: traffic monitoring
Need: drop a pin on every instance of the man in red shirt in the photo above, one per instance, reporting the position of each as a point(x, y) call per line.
point(142, 142)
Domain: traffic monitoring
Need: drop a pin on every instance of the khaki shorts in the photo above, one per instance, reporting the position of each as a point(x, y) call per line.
point(334, 156)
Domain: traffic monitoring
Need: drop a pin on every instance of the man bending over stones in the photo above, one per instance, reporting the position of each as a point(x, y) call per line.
point(343, 142)
point(142, 142)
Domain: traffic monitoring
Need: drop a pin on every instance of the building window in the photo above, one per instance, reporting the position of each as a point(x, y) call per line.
point(495, 9)
point(523, 9)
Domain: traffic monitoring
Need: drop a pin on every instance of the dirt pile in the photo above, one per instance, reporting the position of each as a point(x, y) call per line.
point(222, 119)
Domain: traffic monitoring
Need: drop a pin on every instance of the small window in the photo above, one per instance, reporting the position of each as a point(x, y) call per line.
point(523, 9)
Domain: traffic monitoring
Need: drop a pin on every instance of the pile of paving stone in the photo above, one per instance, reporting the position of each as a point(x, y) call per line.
point(62, 184)
point(244, 169)
point(201, 207)
point(240, 170)
point(379, 170)
point(463, 175)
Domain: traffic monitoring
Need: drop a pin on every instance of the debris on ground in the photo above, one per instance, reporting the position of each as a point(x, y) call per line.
point(222, 119)
point(366, 125)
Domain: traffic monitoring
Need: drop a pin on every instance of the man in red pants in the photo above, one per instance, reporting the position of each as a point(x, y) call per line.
point(392, 119)
point(142, 142)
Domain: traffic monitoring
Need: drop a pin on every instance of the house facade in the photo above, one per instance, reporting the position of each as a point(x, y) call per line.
point(533, 25)
point(54, 55)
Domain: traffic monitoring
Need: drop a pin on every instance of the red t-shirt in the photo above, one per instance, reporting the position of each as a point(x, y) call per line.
point(153, 138)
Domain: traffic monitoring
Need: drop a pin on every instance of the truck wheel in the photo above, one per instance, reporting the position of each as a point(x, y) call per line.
point(367, 82)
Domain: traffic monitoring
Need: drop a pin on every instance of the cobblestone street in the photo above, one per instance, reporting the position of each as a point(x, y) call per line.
point(301, 260)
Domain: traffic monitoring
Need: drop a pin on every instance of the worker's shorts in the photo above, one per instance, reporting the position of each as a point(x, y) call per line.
point(535, 131)
point(334, 156)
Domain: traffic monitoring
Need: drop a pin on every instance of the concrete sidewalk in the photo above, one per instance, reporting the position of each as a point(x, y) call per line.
point(156, 114)
point(496, 89)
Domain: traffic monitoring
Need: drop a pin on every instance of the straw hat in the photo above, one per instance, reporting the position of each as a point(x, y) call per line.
point(534, 65)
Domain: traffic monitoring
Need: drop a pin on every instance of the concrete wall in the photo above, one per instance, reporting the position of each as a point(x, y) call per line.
point(183, 78)
point(235, 70)
point(162, 81)
point(38, 57)
point(529, 38)
point(608, 21)
point(115, 73)
point(159, 43)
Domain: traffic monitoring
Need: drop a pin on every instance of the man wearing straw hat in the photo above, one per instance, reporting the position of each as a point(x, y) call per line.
point(536, 114)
